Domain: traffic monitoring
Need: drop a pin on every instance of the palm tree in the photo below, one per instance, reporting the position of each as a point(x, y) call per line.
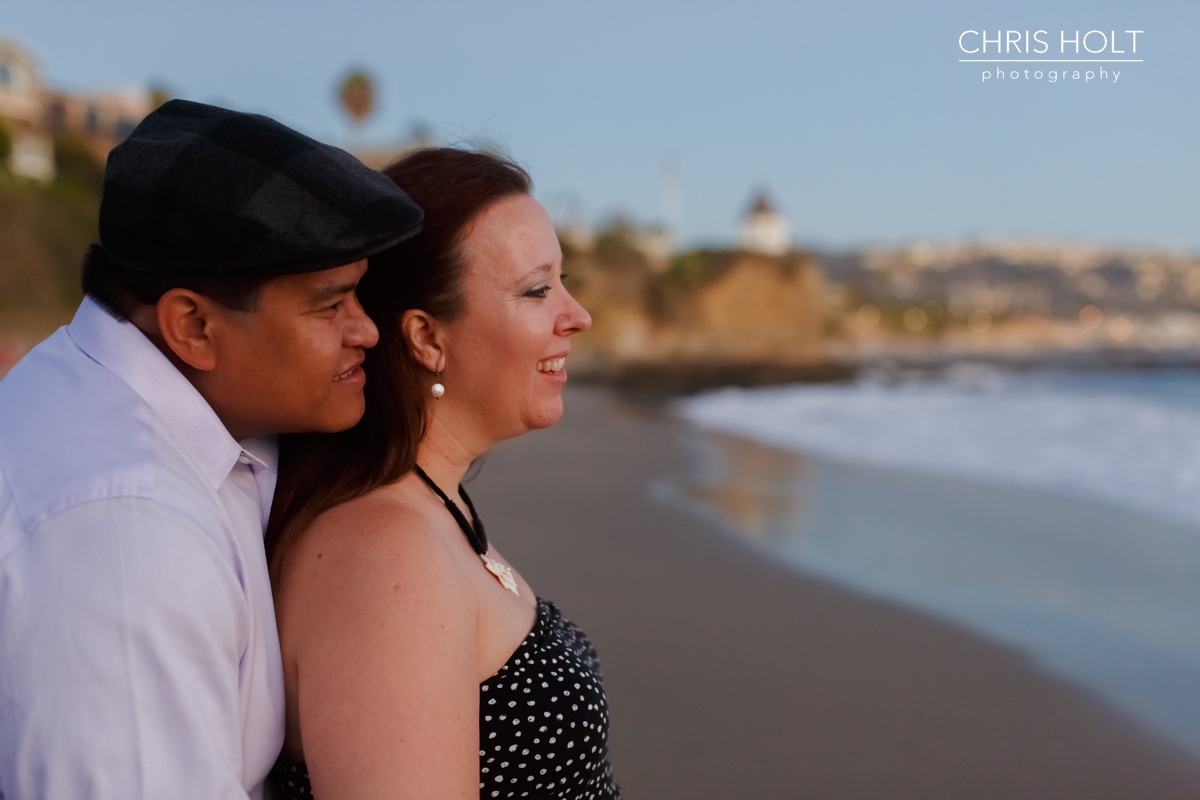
point(158, 93)
point(357, 96)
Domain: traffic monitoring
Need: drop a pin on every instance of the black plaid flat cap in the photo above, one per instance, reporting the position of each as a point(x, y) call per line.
point(196, 188)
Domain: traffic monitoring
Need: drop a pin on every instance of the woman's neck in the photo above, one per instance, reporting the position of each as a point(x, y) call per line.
point(445, 457)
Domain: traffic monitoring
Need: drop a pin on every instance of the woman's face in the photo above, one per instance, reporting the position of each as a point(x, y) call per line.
point(506, 352)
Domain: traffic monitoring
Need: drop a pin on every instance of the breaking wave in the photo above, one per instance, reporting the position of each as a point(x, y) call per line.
point(1126, 438)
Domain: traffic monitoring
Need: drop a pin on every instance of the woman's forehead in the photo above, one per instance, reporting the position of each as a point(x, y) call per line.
point(515, 236)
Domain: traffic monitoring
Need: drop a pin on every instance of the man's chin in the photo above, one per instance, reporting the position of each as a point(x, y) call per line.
point(345, 417)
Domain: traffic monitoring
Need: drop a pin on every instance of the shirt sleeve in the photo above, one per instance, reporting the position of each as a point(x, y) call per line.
point(122, 628)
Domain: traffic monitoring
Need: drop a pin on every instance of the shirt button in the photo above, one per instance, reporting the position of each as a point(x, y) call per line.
point(243, 459)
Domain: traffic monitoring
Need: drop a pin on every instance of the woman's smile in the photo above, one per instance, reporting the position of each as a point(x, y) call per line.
point(552, 365)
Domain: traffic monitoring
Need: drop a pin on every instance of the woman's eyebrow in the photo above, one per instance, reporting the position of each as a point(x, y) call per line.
point(536, 270)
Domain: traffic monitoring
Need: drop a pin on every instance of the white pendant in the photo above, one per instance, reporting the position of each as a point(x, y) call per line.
point(502, 573)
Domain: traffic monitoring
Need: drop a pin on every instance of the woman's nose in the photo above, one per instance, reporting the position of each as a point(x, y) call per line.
point(574, 319)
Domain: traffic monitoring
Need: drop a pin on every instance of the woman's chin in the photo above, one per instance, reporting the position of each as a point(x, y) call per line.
point(545, 414)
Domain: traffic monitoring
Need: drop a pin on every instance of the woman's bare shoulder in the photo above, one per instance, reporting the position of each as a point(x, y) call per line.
point(378, 636)
point(383, 518)
point(377, 550)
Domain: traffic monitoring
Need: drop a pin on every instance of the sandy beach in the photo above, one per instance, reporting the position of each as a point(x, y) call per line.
point(730, 676)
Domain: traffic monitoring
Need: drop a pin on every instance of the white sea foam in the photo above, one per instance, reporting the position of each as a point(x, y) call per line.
point(1140, 450)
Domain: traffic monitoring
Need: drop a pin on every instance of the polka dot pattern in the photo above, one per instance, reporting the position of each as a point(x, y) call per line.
point(543, 723)
point(543, 719)
point(289, 781)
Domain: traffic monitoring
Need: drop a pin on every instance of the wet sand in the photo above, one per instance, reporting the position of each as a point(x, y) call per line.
point(730, 676)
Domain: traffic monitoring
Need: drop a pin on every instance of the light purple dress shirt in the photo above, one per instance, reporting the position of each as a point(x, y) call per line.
point(138, 651)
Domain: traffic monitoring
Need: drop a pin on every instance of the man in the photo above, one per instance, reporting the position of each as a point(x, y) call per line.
point(138, 651)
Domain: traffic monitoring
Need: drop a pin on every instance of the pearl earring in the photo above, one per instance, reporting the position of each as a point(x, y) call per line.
point(437, 390)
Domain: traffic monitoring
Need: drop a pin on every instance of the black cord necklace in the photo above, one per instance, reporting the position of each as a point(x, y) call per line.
point(473, 531)
point(474, 528)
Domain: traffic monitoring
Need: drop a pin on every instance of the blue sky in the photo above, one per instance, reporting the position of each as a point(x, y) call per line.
point(857, 117)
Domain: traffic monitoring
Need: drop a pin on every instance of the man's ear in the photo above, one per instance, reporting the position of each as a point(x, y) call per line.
point(422, 332)
point(185, 321)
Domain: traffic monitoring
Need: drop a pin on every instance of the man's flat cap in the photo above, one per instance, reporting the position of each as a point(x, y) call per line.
point(197, 188)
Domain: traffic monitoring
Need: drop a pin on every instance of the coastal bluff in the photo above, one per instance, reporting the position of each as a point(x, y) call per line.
point(703, 311)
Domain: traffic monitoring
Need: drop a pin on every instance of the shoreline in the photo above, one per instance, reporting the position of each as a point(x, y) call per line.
point(1091, 591)
point(730, 675)
point(682, 377)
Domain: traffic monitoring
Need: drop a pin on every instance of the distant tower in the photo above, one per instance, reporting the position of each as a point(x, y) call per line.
point(672, 206)
point(765, 230)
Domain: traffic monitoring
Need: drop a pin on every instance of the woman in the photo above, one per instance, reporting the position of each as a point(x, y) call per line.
point(418, 663)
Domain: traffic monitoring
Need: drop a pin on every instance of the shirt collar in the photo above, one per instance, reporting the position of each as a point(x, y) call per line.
point(263, 451)
point(126, 352)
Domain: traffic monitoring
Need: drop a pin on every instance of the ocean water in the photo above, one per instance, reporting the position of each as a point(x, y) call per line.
point(1055, 513)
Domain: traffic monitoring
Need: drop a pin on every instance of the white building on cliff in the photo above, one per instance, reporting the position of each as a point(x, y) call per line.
point(764, 230)
point(33, 114)
point(32, 154)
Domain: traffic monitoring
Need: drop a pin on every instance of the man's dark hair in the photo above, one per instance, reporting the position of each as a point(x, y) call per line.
point(122, 291)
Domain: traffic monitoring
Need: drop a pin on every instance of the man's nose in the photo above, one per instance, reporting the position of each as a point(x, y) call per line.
point(360, 330)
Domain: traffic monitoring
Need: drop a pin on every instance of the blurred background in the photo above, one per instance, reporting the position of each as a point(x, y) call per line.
point(914, 329)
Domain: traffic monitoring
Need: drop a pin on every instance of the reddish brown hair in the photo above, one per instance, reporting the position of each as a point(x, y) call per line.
point(318, 471)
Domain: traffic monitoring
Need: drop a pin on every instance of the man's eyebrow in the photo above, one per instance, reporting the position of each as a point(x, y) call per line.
point(330, 292)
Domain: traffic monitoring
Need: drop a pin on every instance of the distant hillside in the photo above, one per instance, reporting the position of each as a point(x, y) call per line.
point(1014, 278)
point(701, 311)
point(44, 232)
point(1034, 303)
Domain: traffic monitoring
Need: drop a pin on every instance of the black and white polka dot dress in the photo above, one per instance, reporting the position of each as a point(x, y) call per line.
point(543, 719)
point(543, 723)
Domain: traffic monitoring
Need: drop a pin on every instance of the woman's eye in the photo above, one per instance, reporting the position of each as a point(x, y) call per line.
point(539, 293)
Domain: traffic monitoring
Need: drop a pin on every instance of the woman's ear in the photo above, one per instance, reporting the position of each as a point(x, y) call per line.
point(423, 334)
point(185, 321)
